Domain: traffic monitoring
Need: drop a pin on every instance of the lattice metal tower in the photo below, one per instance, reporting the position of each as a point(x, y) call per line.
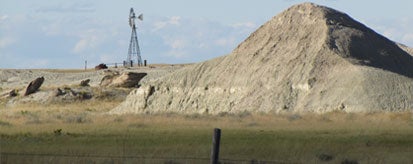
point(134, 50)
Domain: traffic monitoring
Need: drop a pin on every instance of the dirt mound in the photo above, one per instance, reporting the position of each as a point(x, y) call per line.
point(308, 58)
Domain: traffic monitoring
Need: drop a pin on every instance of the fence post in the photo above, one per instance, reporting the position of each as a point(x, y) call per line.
point(215, 146)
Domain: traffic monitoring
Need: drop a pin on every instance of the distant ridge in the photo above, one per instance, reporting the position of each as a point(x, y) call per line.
point(309, 58)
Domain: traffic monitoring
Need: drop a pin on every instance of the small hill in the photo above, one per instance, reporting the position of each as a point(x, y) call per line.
point(309, 58)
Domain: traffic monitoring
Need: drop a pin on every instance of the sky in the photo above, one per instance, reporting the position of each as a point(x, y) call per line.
point(64, 34)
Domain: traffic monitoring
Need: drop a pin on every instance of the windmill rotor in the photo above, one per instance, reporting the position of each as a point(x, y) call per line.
point(132, 17)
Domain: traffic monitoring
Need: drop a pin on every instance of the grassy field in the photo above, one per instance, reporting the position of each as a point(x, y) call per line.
point(84, 129)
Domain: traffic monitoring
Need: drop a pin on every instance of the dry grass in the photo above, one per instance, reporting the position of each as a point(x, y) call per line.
point(56, 113)
point(95, 112)
point(84, 128)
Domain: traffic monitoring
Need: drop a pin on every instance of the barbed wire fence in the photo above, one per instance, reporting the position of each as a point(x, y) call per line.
point(78, 158)
point(24, 157)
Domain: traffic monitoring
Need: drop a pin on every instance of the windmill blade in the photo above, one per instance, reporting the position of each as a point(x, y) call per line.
point(140, 17)
point(131, 13)
point(131, 22)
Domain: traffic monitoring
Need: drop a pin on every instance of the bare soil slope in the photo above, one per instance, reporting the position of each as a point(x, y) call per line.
point(309, 58)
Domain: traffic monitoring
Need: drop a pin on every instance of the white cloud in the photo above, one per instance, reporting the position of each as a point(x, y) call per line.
point(408, 39)
point(52, 29)
point(177, 53)
point(90, 39)
point(81, 45)
point(244, 25)
point(398, 30)
point(108, 58)
point(85, 44)
point(7, 41)
point(3, 17)
point(203, 45)
point(194, 40)
point(177, 47)
point(224, 42)
point(159, 25)
point(178, 44)
point(175, 40)
point(67, 8)
point(174, 20)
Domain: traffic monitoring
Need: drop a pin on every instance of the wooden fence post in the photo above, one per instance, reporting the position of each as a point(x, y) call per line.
point(215, 146)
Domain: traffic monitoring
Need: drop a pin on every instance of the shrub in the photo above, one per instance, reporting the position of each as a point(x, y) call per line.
point(24, 112)
point(57, 132)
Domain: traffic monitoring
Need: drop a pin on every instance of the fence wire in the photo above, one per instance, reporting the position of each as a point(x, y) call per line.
point(22, 158)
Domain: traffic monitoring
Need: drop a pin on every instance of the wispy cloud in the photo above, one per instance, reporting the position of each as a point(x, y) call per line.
point(88, 39)
point(3, 17)
point(67, 8)
point(398, 30)
point(173, 39)
point(194, 40)
point(7, 41)
point(174, 20)
point(225, 42)
point(84, 44)
point(244, 25)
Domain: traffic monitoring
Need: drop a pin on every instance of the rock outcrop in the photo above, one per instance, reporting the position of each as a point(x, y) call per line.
point(128, 79)
point(125, 79)
point(34, 86)
point(309, 58)
point(85, 83)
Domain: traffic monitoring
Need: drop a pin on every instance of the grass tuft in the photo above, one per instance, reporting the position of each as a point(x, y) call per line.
point(4, 123)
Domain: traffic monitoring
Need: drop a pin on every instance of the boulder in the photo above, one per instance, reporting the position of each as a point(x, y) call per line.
point(108, 77)
point(13, 93)
point(106, 80)
point(125, 80)
point(34, 86)
point(101, 66)
point(58, 92)
point(85, 83)
point(7, 94)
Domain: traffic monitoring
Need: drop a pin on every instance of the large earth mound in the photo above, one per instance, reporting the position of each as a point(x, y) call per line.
point(309, 58)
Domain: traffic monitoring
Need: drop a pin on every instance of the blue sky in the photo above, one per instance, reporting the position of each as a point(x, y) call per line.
point(63, 34)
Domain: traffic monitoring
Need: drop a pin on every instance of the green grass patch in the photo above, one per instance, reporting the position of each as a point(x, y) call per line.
point(155, 141)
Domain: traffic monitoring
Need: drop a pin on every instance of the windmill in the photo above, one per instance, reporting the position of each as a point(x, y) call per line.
point(134, 49)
